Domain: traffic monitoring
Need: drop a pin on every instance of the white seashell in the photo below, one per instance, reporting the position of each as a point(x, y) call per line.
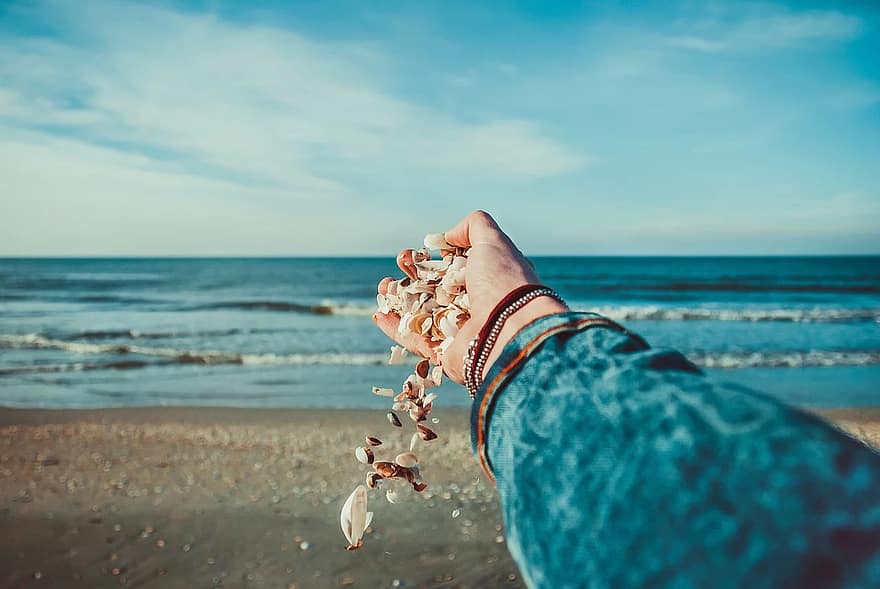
point(392, 495)
point(364, 455)
point(382, 303)
point(413, 442)
point(437, 375)
point(436, 241)
point(448, 324)
point(429, 398)
point(383, 392)
point(407, 459)
point(354, 517)
point(397, 355)
point(433, 265)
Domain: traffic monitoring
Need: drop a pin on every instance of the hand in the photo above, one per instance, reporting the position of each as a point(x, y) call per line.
point(495, 267)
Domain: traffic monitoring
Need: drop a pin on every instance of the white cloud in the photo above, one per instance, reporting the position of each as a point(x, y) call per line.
point(766, 30)
point(187, 104)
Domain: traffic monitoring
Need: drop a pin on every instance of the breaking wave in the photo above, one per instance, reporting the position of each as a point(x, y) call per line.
point(155, 356)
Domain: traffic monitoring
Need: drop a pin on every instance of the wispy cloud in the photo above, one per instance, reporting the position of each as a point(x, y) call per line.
point(258, 108)
point(767, 29)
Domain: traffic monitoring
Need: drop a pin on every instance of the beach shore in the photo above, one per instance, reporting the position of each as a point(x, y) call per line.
point(206, 497)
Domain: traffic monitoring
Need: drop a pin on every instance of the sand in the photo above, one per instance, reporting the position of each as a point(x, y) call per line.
point(203, 497)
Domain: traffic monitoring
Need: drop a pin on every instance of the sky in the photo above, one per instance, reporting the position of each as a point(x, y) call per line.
point(354, 128)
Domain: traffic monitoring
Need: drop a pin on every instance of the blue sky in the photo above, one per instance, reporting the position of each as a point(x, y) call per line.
point(332, 128)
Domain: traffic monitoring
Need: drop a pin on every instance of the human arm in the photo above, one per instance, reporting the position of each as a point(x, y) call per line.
point(622, 466)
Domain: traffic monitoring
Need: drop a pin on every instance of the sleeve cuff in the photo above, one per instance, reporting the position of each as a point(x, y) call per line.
point(515, 353)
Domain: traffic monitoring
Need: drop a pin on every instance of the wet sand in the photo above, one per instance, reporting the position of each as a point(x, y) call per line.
point(204, 497)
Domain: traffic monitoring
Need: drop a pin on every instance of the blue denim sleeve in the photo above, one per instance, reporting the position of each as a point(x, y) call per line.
point(620, 466)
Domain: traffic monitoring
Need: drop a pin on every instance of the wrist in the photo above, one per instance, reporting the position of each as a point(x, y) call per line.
point(533, 310)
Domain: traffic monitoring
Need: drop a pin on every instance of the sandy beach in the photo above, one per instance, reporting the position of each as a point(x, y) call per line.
point(203, 497)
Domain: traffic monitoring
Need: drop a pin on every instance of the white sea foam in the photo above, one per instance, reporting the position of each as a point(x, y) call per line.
point(723, 360)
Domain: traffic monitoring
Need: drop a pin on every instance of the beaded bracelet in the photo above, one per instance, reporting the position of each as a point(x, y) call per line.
point(481, 346)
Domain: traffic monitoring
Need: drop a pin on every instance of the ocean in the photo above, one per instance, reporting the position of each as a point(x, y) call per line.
point(296, 332)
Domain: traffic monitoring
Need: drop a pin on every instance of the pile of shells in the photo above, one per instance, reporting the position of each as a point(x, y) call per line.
point(432, 303)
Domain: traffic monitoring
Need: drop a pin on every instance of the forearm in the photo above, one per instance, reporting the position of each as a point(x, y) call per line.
point(625, 467)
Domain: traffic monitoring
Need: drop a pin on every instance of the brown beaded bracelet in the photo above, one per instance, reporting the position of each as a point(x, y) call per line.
point(481, 346)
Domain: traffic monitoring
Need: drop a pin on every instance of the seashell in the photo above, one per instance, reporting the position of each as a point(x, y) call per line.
point(419, 486)
point(437, 375)
point(393, 419)
point(433, 266)
point(421, 255)
point(407, 459)
point(383, 304)
point(426, 433)
point(374, 479)
point(393, 288)
point(436, 241)
point(405, 261)
point(413, 442)
point(417, 414)
point(443, 297)
point(423, 367)
point(401, 396)
point(389, 470)
point(355, 518)
point(397, 355)
point(402, 406)
point(383, 392)
point(364, 455)
point(373, 441)
point(420, 323)
point(448, 323)
point(429, 398)
point(392, 496)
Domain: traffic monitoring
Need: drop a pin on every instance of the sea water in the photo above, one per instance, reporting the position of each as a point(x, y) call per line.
point(295, 332)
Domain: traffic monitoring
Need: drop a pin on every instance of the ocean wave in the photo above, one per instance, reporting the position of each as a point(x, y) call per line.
point(283, 306)
point(104, 334)
point(722, 360)
point(792, 359)
point(179, 356)
point(616, 312)
point(656, 313)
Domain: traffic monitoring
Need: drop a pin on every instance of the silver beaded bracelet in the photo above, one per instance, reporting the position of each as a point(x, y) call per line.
point(474, 361)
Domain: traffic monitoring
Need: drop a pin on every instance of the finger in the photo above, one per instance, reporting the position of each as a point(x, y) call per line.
point(389, 323)
point(477, 227)
point(406, 264)
point(383, 285)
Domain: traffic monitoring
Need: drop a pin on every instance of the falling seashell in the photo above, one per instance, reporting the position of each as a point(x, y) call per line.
point(373, 441)
point(426, 433)
point(398, 355)
point(419, 486)
point(393, 419)
point(374, 479)
point(389, 470)
point(423, 368)
point(437, 375)
point(435, 241)
point(383, 392)
point(364, 455)
point(413, 442)
point(392, 496)
point(417, 414)
point(355, 518)
point(407, 459)
point(429, 399)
